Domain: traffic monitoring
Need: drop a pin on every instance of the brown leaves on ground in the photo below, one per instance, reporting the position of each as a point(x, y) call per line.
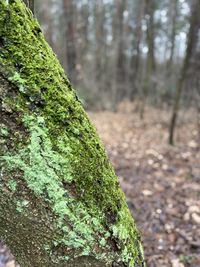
point(161, 182)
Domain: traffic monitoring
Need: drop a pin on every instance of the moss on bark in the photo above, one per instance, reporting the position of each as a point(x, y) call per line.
point(56, 180)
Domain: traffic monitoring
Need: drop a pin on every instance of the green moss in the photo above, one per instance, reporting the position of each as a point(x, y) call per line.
point(45, 171)
point(60, 155)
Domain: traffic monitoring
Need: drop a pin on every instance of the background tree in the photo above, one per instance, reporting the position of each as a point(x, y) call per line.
point(114, 47)
point(150, 65)
point(135, 58)
point(120, 57)
point(69, 22)
point(191, 44)
point(173, 13)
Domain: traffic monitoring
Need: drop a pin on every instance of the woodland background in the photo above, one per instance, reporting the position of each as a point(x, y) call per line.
point(125, 50)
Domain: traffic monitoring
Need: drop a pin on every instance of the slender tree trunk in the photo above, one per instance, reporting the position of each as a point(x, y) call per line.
point(118, 39)
point(173, 17)
point(136, 53)
point(170, 71)
point(150, 5)
point(191, 42)
point(85, 25)
point(100, 44)
point(83, 32)
point(48, 19)
point(68, 7)
point(149, 83)
point(60, 201)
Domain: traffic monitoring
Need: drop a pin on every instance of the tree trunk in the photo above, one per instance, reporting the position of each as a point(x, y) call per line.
point(191, 42)
point(149, 83)
point(45, 8)
point(60, 201)
point(136, 53)
point(174, 13)
point(120, 74)
point(100, 45)
point(68, 8)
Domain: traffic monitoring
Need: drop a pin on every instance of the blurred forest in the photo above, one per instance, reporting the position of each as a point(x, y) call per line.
point(126, 50)
point(142, 51)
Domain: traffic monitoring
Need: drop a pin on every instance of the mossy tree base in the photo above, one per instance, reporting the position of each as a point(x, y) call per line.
point(60, 201)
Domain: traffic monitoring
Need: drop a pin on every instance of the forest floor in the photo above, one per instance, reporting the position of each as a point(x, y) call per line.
point(161, 182)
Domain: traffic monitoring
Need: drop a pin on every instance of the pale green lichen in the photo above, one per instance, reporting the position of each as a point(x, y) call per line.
point(22, 205)
point(4, 131)
point(12, 185)
point(59, 154)
point(45, 171)
point(18, 81)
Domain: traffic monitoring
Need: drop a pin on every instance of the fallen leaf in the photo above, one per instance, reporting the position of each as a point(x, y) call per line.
point(196, 218)
point(176, 263)
point(147, 193)
point(194, 209)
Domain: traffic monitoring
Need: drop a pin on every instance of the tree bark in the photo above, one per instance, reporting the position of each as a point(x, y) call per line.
point(60, 201)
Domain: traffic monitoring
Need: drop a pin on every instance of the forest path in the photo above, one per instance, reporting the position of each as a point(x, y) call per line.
point(161, 182)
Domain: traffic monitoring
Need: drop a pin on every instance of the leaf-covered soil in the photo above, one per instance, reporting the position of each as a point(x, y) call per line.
point(161, 182)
